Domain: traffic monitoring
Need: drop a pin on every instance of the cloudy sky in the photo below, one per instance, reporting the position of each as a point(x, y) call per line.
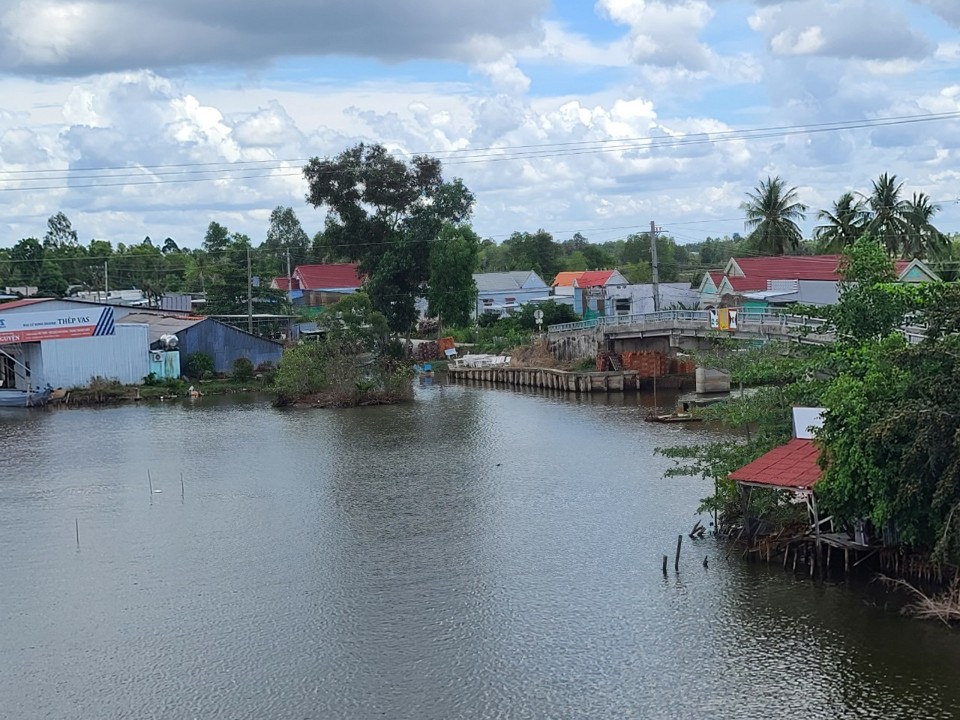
point(139, 117)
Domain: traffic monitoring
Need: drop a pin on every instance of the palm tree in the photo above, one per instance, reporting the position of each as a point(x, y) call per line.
point(887, 213)
point(772, 211)
point(844, 224)
point(922, 238)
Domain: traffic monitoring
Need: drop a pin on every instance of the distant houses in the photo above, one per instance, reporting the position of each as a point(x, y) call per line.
point(505, 292)
point(778, 281)
point(320, 285)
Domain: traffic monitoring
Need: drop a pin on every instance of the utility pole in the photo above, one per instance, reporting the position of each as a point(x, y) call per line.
point(106, 282)
point(289, 281)
point(249, 295)
point(655, 266)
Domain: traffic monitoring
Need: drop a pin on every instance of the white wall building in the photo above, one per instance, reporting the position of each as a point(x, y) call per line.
point(66, 344)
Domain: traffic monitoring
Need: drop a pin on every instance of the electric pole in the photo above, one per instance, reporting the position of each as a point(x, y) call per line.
point(289, 281)
point(106, 282)
point(249, 295)
point(655, 266)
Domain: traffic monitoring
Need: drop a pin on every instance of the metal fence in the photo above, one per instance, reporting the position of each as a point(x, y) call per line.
point(746, 317)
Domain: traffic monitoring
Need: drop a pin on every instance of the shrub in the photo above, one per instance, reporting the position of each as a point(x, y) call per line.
point(242, 369)
point(199, 366)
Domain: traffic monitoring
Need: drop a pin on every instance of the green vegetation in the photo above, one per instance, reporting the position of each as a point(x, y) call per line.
point(890, 447)
point(199, 366)
point(354, 364)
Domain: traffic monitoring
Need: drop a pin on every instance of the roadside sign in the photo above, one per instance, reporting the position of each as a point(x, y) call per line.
point(538, 315)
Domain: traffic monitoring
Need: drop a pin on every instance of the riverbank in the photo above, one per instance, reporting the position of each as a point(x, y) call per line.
point(110, 393)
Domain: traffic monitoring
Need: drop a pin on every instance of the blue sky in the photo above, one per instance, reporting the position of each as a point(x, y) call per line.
point(168, 89)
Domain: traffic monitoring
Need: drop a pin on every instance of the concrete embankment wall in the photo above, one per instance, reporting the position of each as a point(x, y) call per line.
point(577, 345)
point(582, 382)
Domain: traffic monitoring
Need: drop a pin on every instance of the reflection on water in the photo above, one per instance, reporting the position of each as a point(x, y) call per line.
point(478, 554)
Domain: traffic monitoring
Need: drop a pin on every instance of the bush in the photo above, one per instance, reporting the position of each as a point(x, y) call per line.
point(199, 366)
point(242, 369)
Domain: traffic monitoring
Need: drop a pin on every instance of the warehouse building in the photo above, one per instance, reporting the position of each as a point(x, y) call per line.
point(67, 343)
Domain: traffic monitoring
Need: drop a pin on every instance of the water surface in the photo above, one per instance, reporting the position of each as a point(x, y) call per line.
point(477, 554)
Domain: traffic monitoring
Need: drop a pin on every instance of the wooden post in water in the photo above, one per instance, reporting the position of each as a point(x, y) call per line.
point(664, 564)
point(181, 486)
point(676, 560)
point(77, 525)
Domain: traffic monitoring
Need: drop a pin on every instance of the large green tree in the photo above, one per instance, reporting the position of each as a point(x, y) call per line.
point(451, 290)
point(772, 213)
point(385, 214)
point(285, 238)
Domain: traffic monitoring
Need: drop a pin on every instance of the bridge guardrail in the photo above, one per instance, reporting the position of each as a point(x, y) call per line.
point(913, 333)
point(744, 316)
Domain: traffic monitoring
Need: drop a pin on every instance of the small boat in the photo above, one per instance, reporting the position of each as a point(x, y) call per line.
point(675, 417)
point(25, 398)
point(423, 370)
point(680, 414)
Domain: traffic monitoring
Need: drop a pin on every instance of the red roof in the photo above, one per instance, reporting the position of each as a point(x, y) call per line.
point(22, 303)
point(283, 283)
point(566, 278)
point(328, 277)
point(758, 270)
point(793, 465)
point(594, 278)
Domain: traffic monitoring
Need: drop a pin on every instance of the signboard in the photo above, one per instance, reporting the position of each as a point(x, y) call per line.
point(56, 325)
point(723, 319)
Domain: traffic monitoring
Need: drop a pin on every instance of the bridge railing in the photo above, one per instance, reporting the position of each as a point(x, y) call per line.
point(744, 316)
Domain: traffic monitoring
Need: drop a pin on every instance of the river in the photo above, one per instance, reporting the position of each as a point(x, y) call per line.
point(476, 554)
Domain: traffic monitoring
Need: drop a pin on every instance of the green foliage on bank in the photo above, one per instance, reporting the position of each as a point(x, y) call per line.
point(354, 363)
point(890, 444)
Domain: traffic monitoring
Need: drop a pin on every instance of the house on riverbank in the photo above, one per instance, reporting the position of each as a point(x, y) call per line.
point(505, 292)
point(783, 280)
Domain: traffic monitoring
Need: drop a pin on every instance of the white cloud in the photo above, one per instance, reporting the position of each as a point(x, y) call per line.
point(851, 29)
point(664, 33)
point(505, 75)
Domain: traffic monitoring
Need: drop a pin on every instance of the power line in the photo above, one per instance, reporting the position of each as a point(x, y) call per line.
point(453, 157)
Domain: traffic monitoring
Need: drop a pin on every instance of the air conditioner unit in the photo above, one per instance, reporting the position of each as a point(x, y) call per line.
point(156, 356)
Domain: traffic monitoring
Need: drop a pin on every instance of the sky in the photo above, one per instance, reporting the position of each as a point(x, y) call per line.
point(141, 118)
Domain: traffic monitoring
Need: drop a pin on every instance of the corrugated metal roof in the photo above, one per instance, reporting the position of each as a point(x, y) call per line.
point(594, 278)
point(162, 324)
point(329, 276)
point(23, 303)
point(501, 281)
point(565, 279)
point(793, 465)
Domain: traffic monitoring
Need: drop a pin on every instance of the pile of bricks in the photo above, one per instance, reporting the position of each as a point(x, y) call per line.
point(428, 351)
point(647, 364)
point(609, 361)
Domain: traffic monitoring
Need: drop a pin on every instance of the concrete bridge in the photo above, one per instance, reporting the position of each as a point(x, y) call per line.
point(684, 330)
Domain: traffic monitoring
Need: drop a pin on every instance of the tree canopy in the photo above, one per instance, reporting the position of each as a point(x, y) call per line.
point(386, 214)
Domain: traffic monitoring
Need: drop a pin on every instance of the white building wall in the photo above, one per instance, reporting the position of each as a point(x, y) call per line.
point(72, 363)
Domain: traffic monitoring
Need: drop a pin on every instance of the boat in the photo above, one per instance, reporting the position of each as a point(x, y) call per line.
point(674, 417)
point(680, 414)
point(25, 398)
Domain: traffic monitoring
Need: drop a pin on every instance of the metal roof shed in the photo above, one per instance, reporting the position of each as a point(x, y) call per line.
point(223, 343)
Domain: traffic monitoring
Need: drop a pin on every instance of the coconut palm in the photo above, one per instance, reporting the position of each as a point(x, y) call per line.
point(887, 211)
point(772, 213)
point(922, 238)
point(844, 223)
